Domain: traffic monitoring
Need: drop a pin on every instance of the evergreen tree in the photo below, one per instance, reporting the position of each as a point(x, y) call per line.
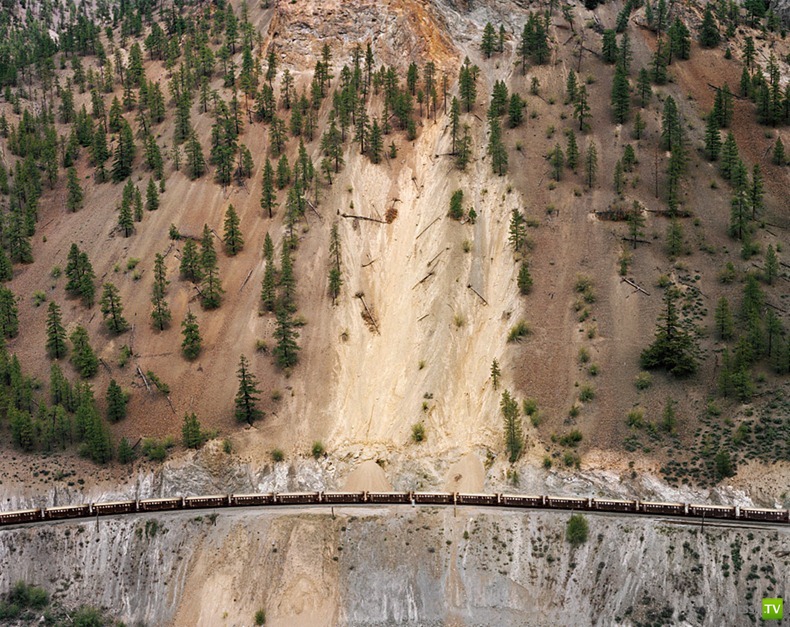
point(571, 87)
point(557, 161)
point(455, 122)
point(778, 154)
point(124, 153)
point(6, 269)
point(191, 433)
point(591, 164)
point(771, 270)
point(248, 394)
point(375, 142)
point(456, 205)
point(269, 283)
point(464, 152)
point(674, 348)
point(192, 341)
point(488, 44)
point(728, 156)
point(196, 164)
point(712, 139)
point(100, 153)
point(674, 238)
point(82, 356)
point(496, 148)
point(287, 280)
point(268, 195)
point(636, 222)
point(190, 262)
point(609, 51)
point(19, 247)
point(80, 276)
point(515, 111)
point(283, 173)
point(643, 87)
point(467, 84)
point(496, 373)
point(211, 290)
point(112, 309)
point(621, 95)
point(709, 31)
point(582, 108)
point(572, 151)
point(56, 332)
point(125, 451)
point(9, 319)
point(524, 279)
point(126, 219)
point(116, 402)
point(335, 271)
point(756, 191)
point(75, 196)
point(233, 239)
point(514, 437)
point(160, 313)
point(517, 231)
point(287, 350)
point(151, 196)
point(725, 326)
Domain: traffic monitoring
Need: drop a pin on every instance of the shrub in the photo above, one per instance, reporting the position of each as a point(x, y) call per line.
point(643, 380)
point(519, 330)
point(277, 455)
point(530, 406)
point(577, 530)
point(418, 432)
point(318, 449)
point(227, 446)
point(593, 370)
point(587, 393)
point(546, 462)
point(260, 617)
point(584, 355)
point(571, 439)
point(636, 418)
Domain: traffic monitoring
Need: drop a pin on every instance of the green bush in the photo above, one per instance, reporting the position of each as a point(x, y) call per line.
point(418, 432)
point(643, 380)
point(318, 449)
point(577, 530)
point(277, 455)
point(587, 393)
point(571, 439)
point(519, 330)
point(260, 617)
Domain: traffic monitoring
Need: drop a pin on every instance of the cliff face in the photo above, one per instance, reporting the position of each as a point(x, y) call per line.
point(400, 566)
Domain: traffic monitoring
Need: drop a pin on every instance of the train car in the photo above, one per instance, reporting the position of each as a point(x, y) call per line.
point(389, 497)
point(614, 505)
point(114, 507)
point(201, 502)
point(296, 498)
point(667, 509)
point(476, 499)
point(760, 513)
point(67, 511)
point(158, 505)
point(434, 498)
point(711, 511)
point(521, 500)
point(240, 500)
point(21, 516)
point(558, 502)
point(343, 497)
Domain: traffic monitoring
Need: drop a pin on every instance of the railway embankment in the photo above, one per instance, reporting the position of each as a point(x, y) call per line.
point(400, 565)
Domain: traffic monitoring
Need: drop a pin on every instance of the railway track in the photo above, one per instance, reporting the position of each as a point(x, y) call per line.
point(678, 513)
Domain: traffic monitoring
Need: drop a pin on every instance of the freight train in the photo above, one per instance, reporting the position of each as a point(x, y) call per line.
point(518, 501)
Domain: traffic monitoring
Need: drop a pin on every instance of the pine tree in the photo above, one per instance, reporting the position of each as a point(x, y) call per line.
point(464, 153)
point(375, 142)
point(9, 319)
point(771, 265)
point(488, 44)
point(287, 280)
point(151, 196)
point(674, 238)
point(582, 109)
point(514, 437)
point(674, 348)
point(609, 50)
point(6, 269)
point(192, 341)
point(456, 211)
point(778, 154)
point(211, 290)
point(712, 139)
point(268, 195)
point(617, 178)
point(572, 151)
point(283, 173)
point(112, 309)
point(56, 332)
point(160, 312)
point(191, 433)
point(524, 279)
point(515, 111)
point(621, 95)
point(455, 122)
point(286, 351)
point(591, 164)
point(725, 326)
point(80, 276)
point(335, 270)
point(636, 222)
point(571, 87)
point(728, 156)
point(709, 32)
point(125, 451)
point(75, 196)
point(196, 164)
point(557, 161)
point(496, 373)
point(124, 153)
point(643, 87)
point(116, 402)
point(467, 84)
point(269, 283)
point(233, 238)
point(248, 394)
point(190, 262)
point(517, 230)
point(756, 191)
point(496, 148)
point(82, 356)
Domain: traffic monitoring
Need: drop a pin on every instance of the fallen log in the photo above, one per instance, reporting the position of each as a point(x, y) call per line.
point(478, 293)
point(428, 227)
point(349, 215)
point(140, 372)
point(635, 286)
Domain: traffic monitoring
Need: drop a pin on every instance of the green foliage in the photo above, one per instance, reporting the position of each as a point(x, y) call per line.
point(247, 395)
point(112, 309)
point(192, 341)
point(514, 437)
point(9, 319)
point(117, 400)
point(191, 433)
point(233, 238)
point(260, 616)
point(80, 276)
point(125, 452)
point(496, 373)
point(519, 331)
point(211, 290)
point(674, 348)
point(577, 530)
point(317, 450)
point(456, 205)
point(82, 356)
point(524, 279)
point(286, 351)
point(418, 432)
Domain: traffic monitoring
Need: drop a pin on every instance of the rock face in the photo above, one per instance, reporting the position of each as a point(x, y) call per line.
point(782, 9)
point(400, 566)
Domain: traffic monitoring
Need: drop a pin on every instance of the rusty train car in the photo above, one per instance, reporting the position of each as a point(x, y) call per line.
point(515, 501)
